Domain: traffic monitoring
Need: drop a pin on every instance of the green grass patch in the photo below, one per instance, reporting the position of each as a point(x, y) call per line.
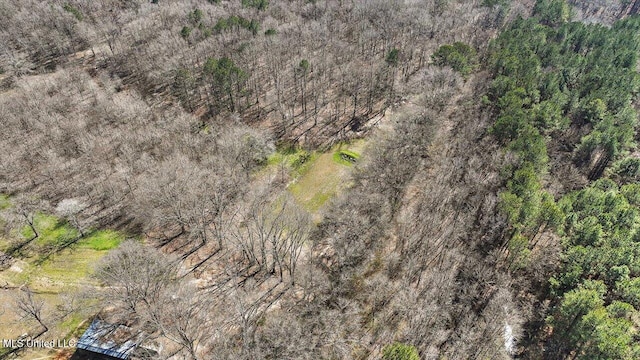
point(275, 159)
point(302, 166)
point(299, 160)
point(320, 199)
point(80, 328)
point(70, 267)
point(322, 176)
point(66, 268)
point(315, 176)
point(345, 157)
point(293, 158)
point(71, 323)
point(53, 261)
point(102, 240)
point(4, 351)
point(52, 264)
point(5, 203)
point(18, 274)
point(5, 244)
point(51, 230)
point(318, 183)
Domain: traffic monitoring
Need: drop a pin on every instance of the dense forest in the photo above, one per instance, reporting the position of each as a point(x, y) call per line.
point(321, 179)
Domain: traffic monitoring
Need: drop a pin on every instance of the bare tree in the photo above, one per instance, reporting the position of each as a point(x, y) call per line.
point(182, 315)
point(272, 233)
point(134, 276)
point(22, 213)
point(26, 208)
point(142, 285)
point(173, 195)
point(69, 209)
point(30, 307)
point(241, 149)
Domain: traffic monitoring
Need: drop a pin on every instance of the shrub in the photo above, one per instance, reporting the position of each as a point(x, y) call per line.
point(345, 157)
point(73, 11)
point(392, 57)
point(459, 56)
point(185, 32)
point(195, 16)
point(258, 4)
point(627, 170)
point(399, 351)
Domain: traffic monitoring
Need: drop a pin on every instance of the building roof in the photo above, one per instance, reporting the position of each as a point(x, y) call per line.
point(116, 341)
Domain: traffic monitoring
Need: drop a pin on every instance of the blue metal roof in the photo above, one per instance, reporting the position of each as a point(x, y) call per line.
point(113, 340)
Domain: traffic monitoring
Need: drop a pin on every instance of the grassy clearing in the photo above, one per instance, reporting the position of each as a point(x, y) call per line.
point(57, 261)
point(17, 274)
point(56, 234)
point(325, 175)
point(318, 184)
point(295, 159)
point(54, 260)
point(102, 240)
point(51, 231)
point(68, 268)
point(72, 266)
